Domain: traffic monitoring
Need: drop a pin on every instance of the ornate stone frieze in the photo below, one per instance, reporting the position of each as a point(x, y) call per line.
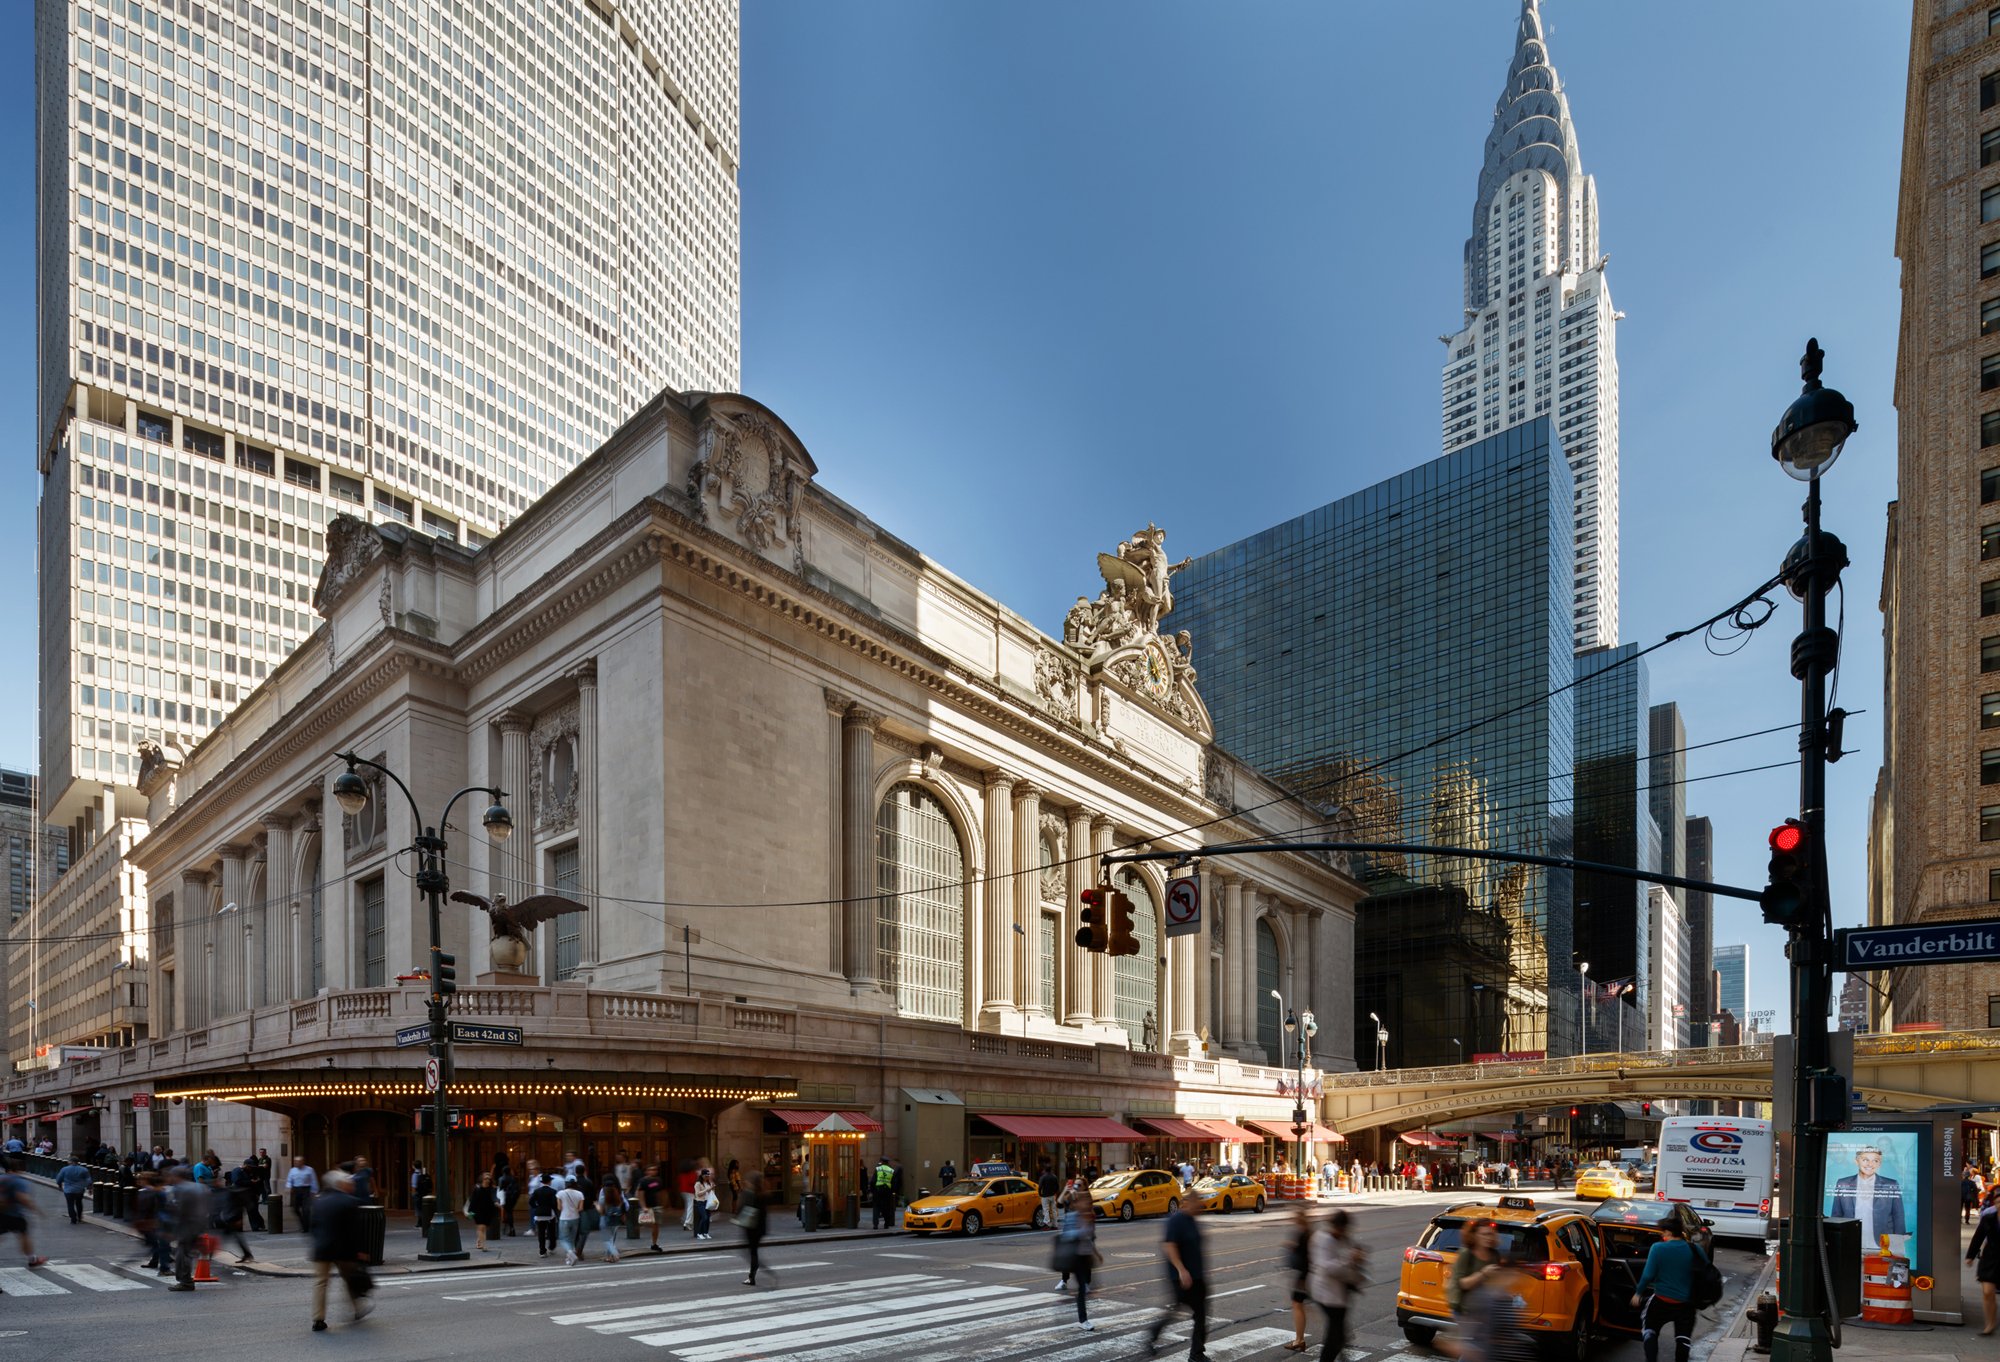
point(1055, 844)
point(555, 752)
point(352, 546)
point(747, 478)
point(1059, 682)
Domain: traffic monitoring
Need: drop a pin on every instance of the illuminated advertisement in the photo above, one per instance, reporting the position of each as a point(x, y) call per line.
point(1876, 1174)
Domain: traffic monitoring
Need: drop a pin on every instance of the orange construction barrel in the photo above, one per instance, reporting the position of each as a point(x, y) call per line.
point(1885, 1290)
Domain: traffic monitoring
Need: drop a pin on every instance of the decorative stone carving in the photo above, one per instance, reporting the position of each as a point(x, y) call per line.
point(1218, 781)
point(932, 756)
point(555, 753)
point(1055, 843)
point(1120, 632)
point(352, 546)
point(1059, 682)
point(747, 466)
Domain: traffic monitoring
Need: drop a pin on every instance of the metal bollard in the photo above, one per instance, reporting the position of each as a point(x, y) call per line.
point(274, 1213)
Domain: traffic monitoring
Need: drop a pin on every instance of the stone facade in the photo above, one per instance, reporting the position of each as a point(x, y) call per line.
point(1934, 845)
point(829, 810)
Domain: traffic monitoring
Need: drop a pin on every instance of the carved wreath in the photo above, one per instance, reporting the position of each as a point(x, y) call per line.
point(553, 746)
point(744, 463)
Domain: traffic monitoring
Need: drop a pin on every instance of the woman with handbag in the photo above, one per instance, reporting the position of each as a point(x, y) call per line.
point(484, 1205)
point(652, 1201)
point(705, 1202)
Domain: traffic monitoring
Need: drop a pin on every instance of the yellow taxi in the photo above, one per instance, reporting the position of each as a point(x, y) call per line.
point(1559, 1265)
point(1604, 1181)
point(1231, 1192)
point(1140, 1191)
point(974, 1205)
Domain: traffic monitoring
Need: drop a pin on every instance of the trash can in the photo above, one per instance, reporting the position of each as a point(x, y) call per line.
point(854, 1213)
point(811, 1206)
point(274, 1213)
point(373, 1223)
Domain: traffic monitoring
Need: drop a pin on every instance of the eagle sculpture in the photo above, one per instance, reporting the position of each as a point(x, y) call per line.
point(516, 919)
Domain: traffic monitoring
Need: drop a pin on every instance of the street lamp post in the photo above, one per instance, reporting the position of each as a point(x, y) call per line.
point(1301, 1029)
point(1461, 1049)
point(1381, 1043)
point(1583, 970)
point(351, 791)
point(1805, 442)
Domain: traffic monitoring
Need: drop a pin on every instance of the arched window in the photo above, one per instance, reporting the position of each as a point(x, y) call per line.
point(1135, 979)
point(920, 872)
point(316, 924)
point(1270, 1018)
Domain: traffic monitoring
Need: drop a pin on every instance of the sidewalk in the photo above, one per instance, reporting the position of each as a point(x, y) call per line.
point(1920, 1342)
point(288, 1254)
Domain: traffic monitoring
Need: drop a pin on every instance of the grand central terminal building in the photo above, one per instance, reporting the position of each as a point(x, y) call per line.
point(828, 810)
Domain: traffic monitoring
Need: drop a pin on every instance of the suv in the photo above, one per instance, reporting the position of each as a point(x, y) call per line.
point(1627, 1231)
point(1560, 1261)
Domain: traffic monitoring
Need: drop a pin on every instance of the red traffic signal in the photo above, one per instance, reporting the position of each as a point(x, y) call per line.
point(1575, 1112)
point(1788, 836)
point(1645, 1108)
point(1784, 896)
point(1094, 935)
point(1123, 941)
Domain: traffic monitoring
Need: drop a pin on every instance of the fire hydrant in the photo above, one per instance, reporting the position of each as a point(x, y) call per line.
point(1765, 1313)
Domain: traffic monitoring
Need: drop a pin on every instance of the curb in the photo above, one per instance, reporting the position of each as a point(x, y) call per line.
point(1730, 1340)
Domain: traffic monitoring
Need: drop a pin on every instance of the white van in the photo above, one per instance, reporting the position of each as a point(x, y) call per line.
point(1722, 1167)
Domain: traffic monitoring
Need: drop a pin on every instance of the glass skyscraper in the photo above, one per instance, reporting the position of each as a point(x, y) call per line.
point(1731, 962)
point(1388, 657)
point(1614, 826)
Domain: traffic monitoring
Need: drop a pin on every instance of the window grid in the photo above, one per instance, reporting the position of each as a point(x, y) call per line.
point(374, 936)
point(565, 872)
point(920, 872)
point(1135, 979)
point(1989, 823)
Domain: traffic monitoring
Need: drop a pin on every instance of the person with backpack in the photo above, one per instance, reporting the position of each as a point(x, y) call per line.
point(16, 1205)
point(1670, 1291)
point(611, 1214)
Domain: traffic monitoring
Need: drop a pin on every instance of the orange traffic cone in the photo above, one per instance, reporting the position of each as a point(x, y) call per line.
point(204, 1248)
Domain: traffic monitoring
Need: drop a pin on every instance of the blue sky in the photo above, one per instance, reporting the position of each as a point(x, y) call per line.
point(1024, 275)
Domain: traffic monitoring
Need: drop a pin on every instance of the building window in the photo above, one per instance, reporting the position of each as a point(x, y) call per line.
point(316, 919)
point(1989, 711)
point(1270, 1022)
point(1045, 963)
point(1135, 979)
point(1989, 597)
point(1989, 823)
point(1989, 90)
point(1989, 373)
point(1993, 1010)
point(1989, 654)
point(920, 871)
point(1989, 429)
point(1989, 767)
point(374, 935)
point(565, 876)
point(1989, 255)
point(1989, 147)
point(1992, 27)
point(197, 1125)
point(1989, 542)
point(1989, 316)
point(1989, 204)
point(1993, 886)
point(1989, 486)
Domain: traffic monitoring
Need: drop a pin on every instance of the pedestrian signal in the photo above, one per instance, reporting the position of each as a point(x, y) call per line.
point(1094, 935)
point(1123, 941)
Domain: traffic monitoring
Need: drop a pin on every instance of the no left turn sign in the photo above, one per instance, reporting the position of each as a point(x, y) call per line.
point(1183, 906)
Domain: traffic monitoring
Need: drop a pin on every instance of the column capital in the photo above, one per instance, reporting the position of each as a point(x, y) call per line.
point(276, 822)
point(197, 878)
point(1222, 875)
point(1099, 822)
point(997, 781)
point(837, 701)
point(513, 721)
point(585, 674)
point(1027, 789)
point(234, 851)
point(857, 715)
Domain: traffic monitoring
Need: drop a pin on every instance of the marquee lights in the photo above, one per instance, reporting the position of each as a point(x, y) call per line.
point(255, 1092)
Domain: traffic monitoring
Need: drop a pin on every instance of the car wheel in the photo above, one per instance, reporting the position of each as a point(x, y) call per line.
point(1041, 1220)
point(1227, 1206)
point(1260, 1205)
point(1419, 1335)
point(1173, 1204)
point(1124, 1210)
point(1573, 1346)
point(973, 1223)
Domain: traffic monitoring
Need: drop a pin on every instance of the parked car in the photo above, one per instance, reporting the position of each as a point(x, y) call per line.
point(1560, 1262)
point(972, 1205)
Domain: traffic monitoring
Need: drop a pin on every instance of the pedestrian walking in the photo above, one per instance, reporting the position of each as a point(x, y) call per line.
point(947, 1173)
point(542, 1214)
point(569, 1222)
point(1337, 1267)
point(1048, 1186)
point(421, 1198)
point(229, 1201)
point(1968, 1197)
point(1076, 1253)
point(187, 1219)
point(146, 1220)
point(750, 1218)
point(1984, 1251)
point(653, 1204)
point(248, 1180)
point(1187, 1278)
point(1666, 1293)
point(1298, 1266)
point(301, 1185)
point(508, 1190)
point(485, 1203)
point(586, 1220)
point(611, 1211)
point(337, 1250)
point(73, 1181)
point(704, 1203)
point(16, 1205)
point(733, 1175)
point(363, 1180)
point(885, 1206)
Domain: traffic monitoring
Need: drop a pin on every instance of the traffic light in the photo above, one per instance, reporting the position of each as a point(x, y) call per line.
point(1575, 1112)
point(1093, 934)
point(1783, 899)
point(1645, 1108)
point(444, 972)
point(1122, 942)
point(455, 1118)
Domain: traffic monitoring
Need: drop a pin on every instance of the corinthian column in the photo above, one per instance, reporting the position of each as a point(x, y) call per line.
point(191, 934)
point(275, 917)
point(1027, 886)
point(1082, 874)
point(1247, 967)
point(1235, 943)
point(586, 808)
point(997, 898)
point(509, 864)
point(857, 822)
point(1204, 1004)
point(229, 962)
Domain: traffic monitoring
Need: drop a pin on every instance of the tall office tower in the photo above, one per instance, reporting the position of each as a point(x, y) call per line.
point(1934, 843)
point(1852, 1009)
point(1614, 826)
point(1700, 844)
point(304, 256)
point(1539, 336)
point(1666, 798)
point(31, 869)
point(1666, 1005)
point(1730, 964)
point(1334, 653)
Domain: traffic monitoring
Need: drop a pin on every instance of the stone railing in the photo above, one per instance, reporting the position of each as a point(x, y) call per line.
point(1609, 1062)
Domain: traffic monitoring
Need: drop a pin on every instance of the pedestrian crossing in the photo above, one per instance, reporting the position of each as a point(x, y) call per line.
point(63, 1279)
point(912, 1314)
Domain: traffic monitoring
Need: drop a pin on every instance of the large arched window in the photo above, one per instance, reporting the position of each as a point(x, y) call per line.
point(1270, 1018)
point(1135, 979)
point(920, 872)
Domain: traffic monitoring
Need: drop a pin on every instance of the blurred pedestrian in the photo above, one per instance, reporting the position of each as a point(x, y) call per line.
point(364, 1180)
point(73, 1181)
point(187, 1221)
point(16, 1205)
point(653, 1203)
point(1298, 1265)
point(485, 1203)
point(733, 1175)
point(750, 1218)
point(508, 1192)
point(146, 1220)
point(1077, 1250)
point(336, 1248)
point(249, 1182)
point(1187, 1277)
point(421, 1199)
point(228, 1210)
point(1337, 1270)
point(1666, 1293)
point(611, 1212)
point(1984, 1250)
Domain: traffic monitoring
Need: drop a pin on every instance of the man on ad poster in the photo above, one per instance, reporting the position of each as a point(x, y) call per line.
point(1868, 1174)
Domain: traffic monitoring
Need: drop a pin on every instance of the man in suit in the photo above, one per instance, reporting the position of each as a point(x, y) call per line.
point(1874, 1200)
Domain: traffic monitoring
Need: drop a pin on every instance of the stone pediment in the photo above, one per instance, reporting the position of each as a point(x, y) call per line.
point(748, 476)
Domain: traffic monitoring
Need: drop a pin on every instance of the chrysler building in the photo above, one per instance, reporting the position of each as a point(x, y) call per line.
point(1540, 334)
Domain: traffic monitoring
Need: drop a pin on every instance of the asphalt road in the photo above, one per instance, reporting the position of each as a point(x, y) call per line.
point(983, 1300)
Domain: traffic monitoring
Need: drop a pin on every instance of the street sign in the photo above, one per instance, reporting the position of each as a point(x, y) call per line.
point(413, 1035)
point(431, 1074)
point(478, 1033)
point(1184, 906)
point(1941, 943)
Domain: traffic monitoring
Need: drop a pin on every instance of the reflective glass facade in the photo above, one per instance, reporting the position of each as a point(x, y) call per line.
point(1339, 648)
point(1614, 825)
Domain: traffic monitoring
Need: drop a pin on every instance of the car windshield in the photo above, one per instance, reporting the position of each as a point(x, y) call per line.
point(1635, 1212)
point(964, 1187)
point(1528, 1243)
point(1111, 1182)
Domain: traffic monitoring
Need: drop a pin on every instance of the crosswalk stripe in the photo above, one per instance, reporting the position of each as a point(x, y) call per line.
point(1016, 1267)
point(952, 1338)
point(95, 1278)
point(597, 1284)
point(18, 1281)
point(752, 1347)
point(762, 1301)
point(706, 1333)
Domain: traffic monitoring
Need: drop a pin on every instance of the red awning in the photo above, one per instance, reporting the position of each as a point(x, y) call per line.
point(1177, 1128)
point(1063, 1129)
point(1229, 1130)
point(795, 1119)
point(1424, 1139)
point(47, 1115)
point(1315, 1133)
